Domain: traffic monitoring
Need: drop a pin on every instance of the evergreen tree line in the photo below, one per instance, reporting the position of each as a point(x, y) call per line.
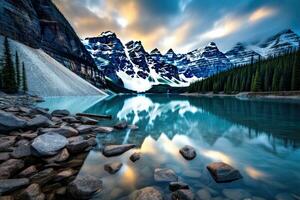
point(280, 73)
point(12, 75)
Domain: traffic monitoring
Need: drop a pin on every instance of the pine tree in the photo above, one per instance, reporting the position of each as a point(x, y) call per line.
point(295, 84)
point(256, 81)
point(24, 79)
point(18, 75)
point(9, 83)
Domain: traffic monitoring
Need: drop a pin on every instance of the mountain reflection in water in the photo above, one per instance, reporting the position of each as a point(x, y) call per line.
point(260, 138)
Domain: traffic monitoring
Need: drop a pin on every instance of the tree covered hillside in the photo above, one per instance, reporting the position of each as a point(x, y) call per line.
point(281, 73)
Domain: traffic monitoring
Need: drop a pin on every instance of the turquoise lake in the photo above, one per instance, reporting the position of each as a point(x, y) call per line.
point(260, 138)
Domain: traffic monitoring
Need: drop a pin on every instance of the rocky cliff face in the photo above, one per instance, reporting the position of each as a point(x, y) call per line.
point(39, 24)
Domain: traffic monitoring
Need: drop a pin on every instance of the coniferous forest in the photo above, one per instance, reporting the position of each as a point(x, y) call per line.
point(278, 73)
point(12, 76)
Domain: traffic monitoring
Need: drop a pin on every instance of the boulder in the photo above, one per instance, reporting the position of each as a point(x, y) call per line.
point(115, 150)
point(39, 121)
point(10, 168)
point(32, 192)
point(183, 194)
point(103, 129)
point(6, 143)
point(121, 125)
point(147, 193)
point(188, 152)
point(77, 147)
point(165, 175)
point(4, 157)
point(66, 131)
point(65, 174)
point(60, 113)
point(135, 156)
point(83, 187)
point(49, 144)
point(43, 177)
point(88, 121)
point(113, 168)
point(236, 194)
point(85, 129)
point(173, 186)
point(21, 151)
point(62, 156)
point(29, 171)
point(223, 172)
point(10, 185)
point(9, 122)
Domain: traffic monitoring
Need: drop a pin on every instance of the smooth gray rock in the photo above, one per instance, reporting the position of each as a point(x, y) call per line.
point(83, 187)
point(60, 113)
point(223, 172)
point(115, 150)
point(88, 121)
point(66, 131)
point(77, 147)
point(165, 175)
point(9, 122)
point(188, 152)
point(183, 194)
point(39, 121)
point(32, 192)
point(173, 186)
point(103, 129)
point(147, 193)
point(62, 156)
point(21, 151)
point(6, 143)
point(10, 168)
point(113, 168)
point(236, 194)
point(49, 144)
point(10, 185)
point(85, 128)
point(135, 156)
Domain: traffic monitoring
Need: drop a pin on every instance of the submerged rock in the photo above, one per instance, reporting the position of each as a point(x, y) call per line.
point(83, 187)
point(147, 193)
point(9, 122)
point(183, 194)
point(165, 175)
point(204, 194)
point(188, 152)
point(223, 172)
point(9, 185)
point(49, 144)
point(236, 194)
point(173, 186)
point(113, 168)
point(135, 156)
point(115, 150)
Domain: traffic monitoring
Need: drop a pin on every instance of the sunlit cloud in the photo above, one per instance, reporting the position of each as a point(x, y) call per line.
point(223, 28)
point(261, 13)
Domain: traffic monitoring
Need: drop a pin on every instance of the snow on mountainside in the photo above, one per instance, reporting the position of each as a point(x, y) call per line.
point(281, 42)
point(132, 67)
point(47, 77)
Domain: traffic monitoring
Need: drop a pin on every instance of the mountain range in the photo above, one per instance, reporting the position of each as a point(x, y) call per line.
point(132, 67)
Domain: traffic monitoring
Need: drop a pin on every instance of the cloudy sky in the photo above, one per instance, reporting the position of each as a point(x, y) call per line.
point(183, 25)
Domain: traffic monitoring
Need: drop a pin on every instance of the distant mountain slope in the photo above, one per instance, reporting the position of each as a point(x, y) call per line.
point(277, 44)
point(47, 77)
point(39, 24)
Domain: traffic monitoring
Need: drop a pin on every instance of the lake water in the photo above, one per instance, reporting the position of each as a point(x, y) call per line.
point(261, 138)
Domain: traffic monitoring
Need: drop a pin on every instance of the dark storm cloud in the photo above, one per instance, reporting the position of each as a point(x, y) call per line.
point(182, 24)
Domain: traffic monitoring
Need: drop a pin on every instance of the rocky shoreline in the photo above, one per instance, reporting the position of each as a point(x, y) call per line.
point(41, 154)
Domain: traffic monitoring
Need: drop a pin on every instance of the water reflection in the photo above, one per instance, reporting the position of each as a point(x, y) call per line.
point(260, 138)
